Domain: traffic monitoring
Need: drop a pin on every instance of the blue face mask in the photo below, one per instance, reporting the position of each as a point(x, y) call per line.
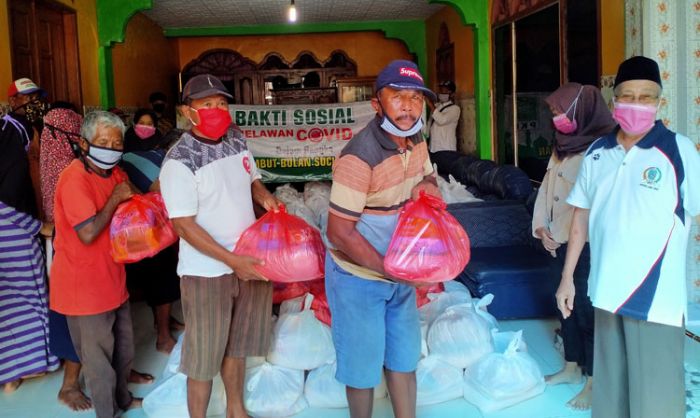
point(389, 126)
point(105, 158)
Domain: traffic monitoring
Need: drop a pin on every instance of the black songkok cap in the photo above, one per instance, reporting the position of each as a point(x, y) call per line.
point(638, 68)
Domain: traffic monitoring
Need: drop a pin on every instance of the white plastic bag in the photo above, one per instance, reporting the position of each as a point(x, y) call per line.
point(251, 362)
point(439, 302)
point(501, 380)
point(273, 391)
point(481, 306)
point(437, 381)
point(322, 390)
point(317, 188)
point(502, 339)
point(172, 367)
point(169, 399)
point(300, 341)
point(460, 336)
point(298, 208)
point(453, 191)
point(455, 286)
point(287, 194)
point(423, 340)
point(294, 305)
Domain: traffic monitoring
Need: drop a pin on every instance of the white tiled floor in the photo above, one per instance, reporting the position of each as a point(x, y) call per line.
point(36, 398)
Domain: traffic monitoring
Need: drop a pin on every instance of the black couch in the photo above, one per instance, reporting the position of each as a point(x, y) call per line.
point(505, 259)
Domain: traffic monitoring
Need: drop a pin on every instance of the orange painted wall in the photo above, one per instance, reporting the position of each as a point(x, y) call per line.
point(612, 26)
point(463, 39)
point(145, 62)
point(370, 50)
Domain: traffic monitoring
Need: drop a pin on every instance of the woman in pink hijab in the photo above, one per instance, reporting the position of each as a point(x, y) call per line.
point(580, 116)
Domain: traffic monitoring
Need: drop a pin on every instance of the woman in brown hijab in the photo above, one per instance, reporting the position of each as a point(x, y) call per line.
point(580, 116)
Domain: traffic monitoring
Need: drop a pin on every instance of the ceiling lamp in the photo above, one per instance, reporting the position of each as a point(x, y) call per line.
point(292, 13)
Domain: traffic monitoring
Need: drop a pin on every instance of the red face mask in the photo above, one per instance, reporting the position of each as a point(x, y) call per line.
point(213, 123)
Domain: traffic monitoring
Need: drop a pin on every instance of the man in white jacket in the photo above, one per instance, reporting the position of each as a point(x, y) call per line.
point(444, 117)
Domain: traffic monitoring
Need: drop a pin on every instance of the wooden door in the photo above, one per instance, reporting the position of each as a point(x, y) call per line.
point(45, 48)
point(21, 34)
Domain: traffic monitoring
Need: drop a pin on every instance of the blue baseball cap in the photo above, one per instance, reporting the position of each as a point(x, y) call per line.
point(402, 75)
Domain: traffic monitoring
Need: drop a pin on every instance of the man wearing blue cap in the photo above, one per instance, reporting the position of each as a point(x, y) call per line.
point(635, 195)
point(375, 321)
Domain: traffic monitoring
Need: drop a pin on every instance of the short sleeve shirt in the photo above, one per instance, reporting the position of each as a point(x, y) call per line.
point(210, 181)
point(84, 278)
point(641, 203)
point(372, 181)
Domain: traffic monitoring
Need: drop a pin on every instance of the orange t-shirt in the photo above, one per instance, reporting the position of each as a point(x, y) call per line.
point(84, 279)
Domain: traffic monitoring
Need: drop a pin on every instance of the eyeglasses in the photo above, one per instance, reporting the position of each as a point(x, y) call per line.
point(642, 98)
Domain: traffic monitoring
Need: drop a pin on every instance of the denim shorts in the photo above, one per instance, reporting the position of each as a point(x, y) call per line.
point(375, 324)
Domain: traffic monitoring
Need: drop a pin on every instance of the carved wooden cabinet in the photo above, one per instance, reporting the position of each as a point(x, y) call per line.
point(275, 80)
point(304, 95)
point(355, 89)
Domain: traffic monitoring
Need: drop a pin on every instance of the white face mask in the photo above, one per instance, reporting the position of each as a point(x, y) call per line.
point(390, 127)
point(443, 97)
point(105, 158)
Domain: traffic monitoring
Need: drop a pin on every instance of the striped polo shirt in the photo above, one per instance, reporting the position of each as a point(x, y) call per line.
point(372, 180)
point(641, 202)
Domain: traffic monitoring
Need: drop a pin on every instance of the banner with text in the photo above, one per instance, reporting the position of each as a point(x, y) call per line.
point(299, 142)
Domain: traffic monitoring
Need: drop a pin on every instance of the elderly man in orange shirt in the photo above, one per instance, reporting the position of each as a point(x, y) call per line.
point(86, 284)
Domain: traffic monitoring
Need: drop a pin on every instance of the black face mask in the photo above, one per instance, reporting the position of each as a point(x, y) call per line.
point(159, 107)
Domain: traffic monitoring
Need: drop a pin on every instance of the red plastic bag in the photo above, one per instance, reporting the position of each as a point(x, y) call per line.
point(140, 228)
point(422, 292)
point(321, 309)
point(286, 291)
point(292, 249)
point(428, 245)
point(320, 303)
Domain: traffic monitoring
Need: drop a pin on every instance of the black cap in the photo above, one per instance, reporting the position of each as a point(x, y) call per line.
point(204, 85)
point(450, 85)
point(638, 68)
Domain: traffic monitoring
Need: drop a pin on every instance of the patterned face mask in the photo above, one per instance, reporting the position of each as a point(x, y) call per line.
point(35, 110)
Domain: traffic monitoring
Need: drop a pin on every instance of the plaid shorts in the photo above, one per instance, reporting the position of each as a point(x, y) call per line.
point(224, 316)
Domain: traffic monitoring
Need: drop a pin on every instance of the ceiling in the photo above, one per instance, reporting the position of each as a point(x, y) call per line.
point(170, 14)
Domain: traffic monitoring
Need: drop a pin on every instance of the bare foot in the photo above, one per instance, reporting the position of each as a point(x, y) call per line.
point(140, 378)
point(74, 399)
point(571, 373)
point(10, 387)
point(238, 412)
point(583, 400)
point(165, 345)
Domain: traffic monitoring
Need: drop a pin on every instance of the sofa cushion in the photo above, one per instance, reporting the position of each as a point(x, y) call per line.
point(461, 166)
point(451, 162)
point(494, 223)
point(520, 278)
point(475, 170)
point(510, 182)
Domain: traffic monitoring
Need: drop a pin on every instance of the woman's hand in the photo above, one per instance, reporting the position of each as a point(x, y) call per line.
point(547, 240)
